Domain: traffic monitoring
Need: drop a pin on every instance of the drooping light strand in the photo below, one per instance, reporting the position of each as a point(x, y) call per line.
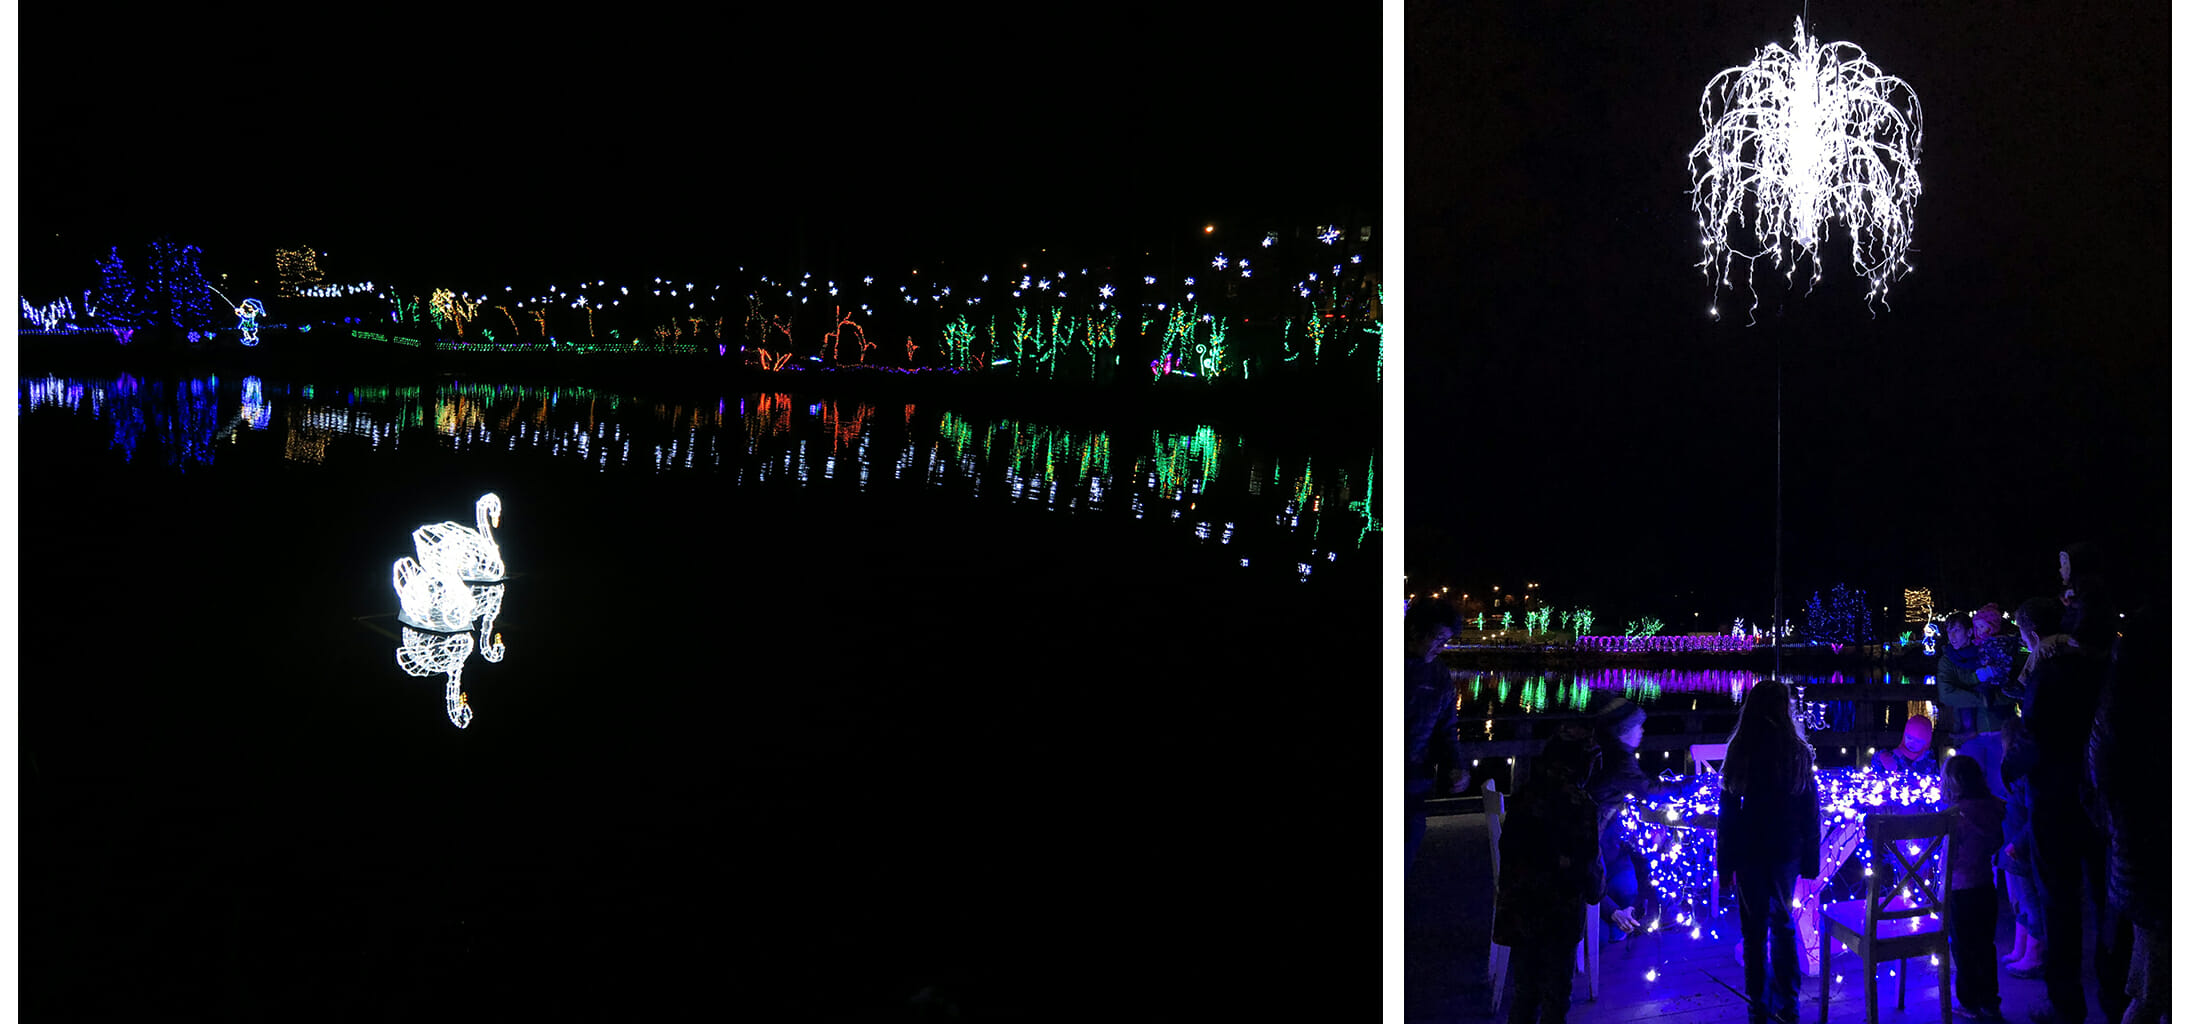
point(1795, 141)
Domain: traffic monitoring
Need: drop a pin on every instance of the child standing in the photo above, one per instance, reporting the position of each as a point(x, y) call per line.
point(1548, 870)
point(1971, 899)
point(1768, 836)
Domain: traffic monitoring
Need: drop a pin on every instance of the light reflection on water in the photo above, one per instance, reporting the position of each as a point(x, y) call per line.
point(1298, 513)
point(1562, 692)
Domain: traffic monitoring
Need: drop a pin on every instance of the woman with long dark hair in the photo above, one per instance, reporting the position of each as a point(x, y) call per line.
point(1768, 835)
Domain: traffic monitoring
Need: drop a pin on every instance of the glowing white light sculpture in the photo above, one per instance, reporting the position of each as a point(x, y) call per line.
point(431, 596)
point(1796, 140)
point(426, 654)
point(488, 601)
point(472, 551)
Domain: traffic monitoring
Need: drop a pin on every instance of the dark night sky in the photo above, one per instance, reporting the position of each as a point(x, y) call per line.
point(1576, 418)
point(537, 146)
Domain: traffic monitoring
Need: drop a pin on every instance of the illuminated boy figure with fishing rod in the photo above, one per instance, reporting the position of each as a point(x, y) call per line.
point(249, 320)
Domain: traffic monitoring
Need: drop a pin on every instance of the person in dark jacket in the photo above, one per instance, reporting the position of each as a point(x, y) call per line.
point(2062, 692)
point(2088, 612)
point(2130, 732)
point(1618, 776)
point(1768, 836)
point(1972, 906)
point(1432, 714)
point(1548, 869)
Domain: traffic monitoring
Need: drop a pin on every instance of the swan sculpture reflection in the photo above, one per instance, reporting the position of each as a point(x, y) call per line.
point(431, 595)
point(471, 550)
point(488, 601)
point(426, 654)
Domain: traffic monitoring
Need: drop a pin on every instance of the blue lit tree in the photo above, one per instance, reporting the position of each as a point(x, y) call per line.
point(121, 307)
point(175, 287)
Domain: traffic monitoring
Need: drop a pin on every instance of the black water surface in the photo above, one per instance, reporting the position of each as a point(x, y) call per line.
point(793, 750)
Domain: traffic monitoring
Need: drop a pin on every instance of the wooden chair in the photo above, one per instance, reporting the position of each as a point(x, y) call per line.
point(1586, 955)
point(1902, 915)
point(1708, 757)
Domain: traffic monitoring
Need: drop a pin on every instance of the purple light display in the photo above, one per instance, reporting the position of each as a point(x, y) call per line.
point(1665, 644)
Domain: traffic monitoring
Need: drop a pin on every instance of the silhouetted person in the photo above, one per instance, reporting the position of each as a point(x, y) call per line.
point(1548, 869)
point(1433, 752)
point(2131, 738)
point(1768, 836)
point(2062, 691)
point(2089, 612)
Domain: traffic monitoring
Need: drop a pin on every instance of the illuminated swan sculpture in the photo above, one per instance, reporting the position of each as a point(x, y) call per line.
point(471, 550)
point(427, 654)
point(430, 595)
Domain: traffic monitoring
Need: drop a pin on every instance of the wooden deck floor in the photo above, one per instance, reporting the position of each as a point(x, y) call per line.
point(1448, 898)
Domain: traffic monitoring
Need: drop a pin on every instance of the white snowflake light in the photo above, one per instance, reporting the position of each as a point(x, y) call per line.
point(1329, 235)
point(1797, 140)
point(1222, 262)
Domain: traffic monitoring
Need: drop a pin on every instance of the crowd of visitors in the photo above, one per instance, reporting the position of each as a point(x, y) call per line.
point(2055, 780)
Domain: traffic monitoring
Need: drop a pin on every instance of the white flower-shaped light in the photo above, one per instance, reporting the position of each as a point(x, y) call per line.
point(1795, 141)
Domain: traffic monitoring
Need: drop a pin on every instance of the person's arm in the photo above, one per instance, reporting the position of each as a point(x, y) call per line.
point(1587, 845)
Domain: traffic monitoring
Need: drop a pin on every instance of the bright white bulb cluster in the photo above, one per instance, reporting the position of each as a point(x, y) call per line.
point(335, 291)
point(1795, 141)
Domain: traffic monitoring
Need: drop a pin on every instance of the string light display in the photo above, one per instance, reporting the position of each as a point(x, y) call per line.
point(426, 654)
point(1917, 605)
point(248, 320)
point(296, 271)
point(1677, 834)
point(1795, 141)
point(1643, 643)
point(471, 552)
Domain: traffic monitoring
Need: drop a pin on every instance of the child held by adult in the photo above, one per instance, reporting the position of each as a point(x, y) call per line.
point(1972, 902)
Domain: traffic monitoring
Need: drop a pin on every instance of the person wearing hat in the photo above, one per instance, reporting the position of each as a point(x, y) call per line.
point(1619, 775)
point(1548, 868)
point(1916, 752)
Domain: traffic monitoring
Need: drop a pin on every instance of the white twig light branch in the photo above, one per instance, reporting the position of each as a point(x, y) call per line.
point(1795, 142)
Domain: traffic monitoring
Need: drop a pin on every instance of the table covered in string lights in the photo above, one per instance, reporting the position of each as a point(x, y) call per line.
point(1677, 834)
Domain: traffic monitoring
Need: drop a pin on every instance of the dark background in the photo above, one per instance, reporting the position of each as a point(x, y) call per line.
point(512, 149)
point(210, 815)
point(1576, 418)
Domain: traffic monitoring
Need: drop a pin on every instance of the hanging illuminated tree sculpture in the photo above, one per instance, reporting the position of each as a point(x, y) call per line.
point(1792, 143)
point(1796, 141)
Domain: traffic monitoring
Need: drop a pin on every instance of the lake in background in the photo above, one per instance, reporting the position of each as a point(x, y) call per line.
point(806, 703)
